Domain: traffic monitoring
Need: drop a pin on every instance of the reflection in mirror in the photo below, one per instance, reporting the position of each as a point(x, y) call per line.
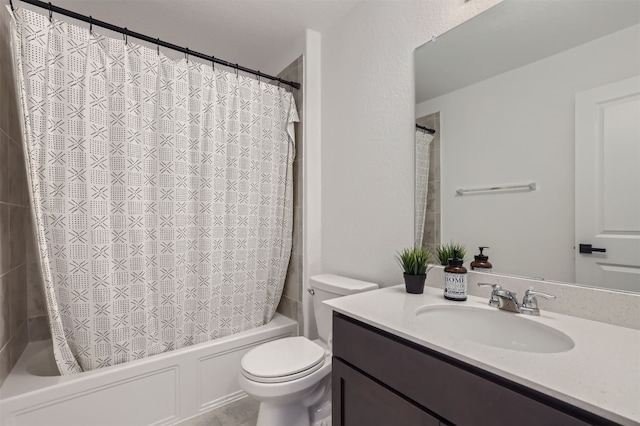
point(533, 92)
point(425, 203)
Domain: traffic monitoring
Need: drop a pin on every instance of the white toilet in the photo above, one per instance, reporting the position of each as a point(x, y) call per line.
point(292, 374)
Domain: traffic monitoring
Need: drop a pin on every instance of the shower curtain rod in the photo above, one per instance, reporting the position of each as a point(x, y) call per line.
point(156, 41)
point(426, 129)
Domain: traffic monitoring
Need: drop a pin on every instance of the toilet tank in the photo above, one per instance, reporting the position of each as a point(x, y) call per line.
point(328, 286)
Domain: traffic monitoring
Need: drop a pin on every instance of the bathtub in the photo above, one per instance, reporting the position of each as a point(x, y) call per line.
point(160, 390)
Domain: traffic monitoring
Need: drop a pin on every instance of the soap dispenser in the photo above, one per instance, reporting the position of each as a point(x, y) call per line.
point(481, 262)
point(455, 279)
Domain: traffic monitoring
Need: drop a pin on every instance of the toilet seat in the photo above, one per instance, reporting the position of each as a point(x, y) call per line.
point(283, 360)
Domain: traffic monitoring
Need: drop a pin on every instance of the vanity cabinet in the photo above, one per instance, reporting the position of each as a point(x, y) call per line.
point(366, 402)
point(382, 379)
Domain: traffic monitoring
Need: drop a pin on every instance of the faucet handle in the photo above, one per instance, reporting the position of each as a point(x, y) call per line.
point(529, 299)
point(495, 286)
point(493, 301)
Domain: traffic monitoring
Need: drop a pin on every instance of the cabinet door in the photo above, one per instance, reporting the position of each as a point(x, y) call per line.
point(358, 400)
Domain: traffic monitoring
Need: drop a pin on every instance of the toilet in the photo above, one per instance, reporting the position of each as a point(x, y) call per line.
point(290, 375)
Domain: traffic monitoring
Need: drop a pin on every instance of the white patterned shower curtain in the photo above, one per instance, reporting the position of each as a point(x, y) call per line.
point(423, 150)
point(161, 193)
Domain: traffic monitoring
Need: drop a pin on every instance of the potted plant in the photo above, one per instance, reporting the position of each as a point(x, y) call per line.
point(414, 262)
point(448, 251)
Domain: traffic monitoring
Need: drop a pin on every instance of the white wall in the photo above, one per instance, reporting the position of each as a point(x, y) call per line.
point(367, 131)
point(312, 233)
point(519, 127)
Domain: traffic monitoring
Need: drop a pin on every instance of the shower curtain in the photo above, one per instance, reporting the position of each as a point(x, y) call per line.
point(423, 149)
point(161, 193)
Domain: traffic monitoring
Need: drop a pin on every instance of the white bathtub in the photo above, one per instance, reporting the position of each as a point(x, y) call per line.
point(159, 390)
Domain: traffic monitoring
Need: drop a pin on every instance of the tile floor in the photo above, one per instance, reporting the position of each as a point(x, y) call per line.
point(243, 412)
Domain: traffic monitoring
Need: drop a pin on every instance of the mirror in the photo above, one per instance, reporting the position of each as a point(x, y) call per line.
point(509, 94)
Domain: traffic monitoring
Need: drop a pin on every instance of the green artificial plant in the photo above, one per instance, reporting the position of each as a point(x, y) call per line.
point(414, 261)
point(448, 251)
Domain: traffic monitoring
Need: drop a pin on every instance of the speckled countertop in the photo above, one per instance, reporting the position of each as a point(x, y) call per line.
point(601, 374)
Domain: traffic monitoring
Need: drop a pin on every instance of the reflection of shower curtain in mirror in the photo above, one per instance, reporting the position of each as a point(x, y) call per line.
point(423, 145)
point(161, 193)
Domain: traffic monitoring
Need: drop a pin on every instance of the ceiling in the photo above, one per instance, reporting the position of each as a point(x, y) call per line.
point(248, 32)
point(512, 34)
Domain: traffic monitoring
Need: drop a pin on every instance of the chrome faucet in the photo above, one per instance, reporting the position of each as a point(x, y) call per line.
point(507, 300)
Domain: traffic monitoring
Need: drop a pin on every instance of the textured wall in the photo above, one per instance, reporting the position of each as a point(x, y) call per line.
point(368, 130)
point(291, 301)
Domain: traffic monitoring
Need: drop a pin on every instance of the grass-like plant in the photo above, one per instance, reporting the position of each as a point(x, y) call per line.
point(414, 261)
point(448, 251)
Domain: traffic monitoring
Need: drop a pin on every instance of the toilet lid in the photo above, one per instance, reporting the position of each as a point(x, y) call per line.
point(283, 358)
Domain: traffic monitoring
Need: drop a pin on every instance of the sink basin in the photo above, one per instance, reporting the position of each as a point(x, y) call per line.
point(495, 328)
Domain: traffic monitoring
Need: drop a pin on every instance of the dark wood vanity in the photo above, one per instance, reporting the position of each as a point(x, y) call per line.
point(382, 379)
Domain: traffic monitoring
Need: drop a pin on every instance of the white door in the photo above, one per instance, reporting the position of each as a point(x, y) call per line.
point(607, 152)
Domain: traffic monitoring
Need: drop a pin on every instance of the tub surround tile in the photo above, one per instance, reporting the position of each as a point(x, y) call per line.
point(298, 182)
point(438, 197)
point(5, 247)
point(431, 197)
point(434, 168)
point(38, 328)
point(17, 247)
point(5, 311)
point(430, 225)
point(16, 174)
point(300, 319)
point(291, 287)
point(29, 238)
point(18, 343)
point(6, 69)
point(4, 83)
point(5, 363)
point(25, 195)
point(10, 96)
point(289, 308)
point(4, 171)
point(18, 297)
point(35, 296)
point(298, 132)
point(13, 188)
point(297, 230)
point(438, 227)
point(291, 301)
point(15, 130)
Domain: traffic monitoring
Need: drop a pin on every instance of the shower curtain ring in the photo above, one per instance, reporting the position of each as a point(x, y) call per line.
point(213, 63)
point(125, 36)
point(258, 75)
point(11, 4)
point(90, 24)
point(186, 55)
point(50, 13)
point(158, 46)
point(236, 70)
